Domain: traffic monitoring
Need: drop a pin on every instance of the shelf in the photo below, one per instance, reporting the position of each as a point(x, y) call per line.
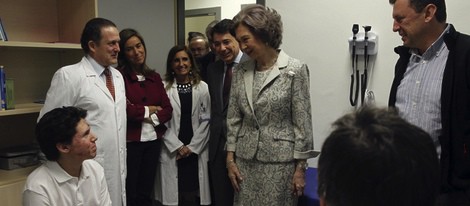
point(39, 45)
point(43, 37)
point(16, 175)
point(22, 109)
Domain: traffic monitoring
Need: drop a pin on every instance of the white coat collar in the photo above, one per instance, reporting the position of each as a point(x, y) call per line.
point(93, 69)
point(173, 94)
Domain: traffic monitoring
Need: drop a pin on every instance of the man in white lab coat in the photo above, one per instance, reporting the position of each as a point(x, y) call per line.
point(94, 85)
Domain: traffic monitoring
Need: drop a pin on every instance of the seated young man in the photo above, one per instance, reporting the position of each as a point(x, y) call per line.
point(374, 157)
point(69, 176)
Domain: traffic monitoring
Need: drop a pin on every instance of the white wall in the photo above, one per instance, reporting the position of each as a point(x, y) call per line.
point(228, 8)
point(155, 21)
point(317, 32)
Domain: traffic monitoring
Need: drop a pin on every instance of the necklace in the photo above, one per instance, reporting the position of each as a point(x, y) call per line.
point(184, 88)
point(267, 66)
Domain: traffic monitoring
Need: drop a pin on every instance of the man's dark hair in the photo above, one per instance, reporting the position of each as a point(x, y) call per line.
point(419, 5)
point(209, 30)
point(58, 126)
point(374, 157)
point(92, 32)
point(224, 26)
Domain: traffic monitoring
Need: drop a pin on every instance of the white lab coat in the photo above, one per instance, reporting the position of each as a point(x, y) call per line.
point(79, 85)
point(166, 182)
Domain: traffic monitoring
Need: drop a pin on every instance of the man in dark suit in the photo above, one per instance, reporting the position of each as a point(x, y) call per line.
point(219, 78)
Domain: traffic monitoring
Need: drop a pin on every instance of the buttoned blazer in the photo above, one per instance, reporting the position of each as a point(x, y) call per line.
point(144, 93)
point(277, 127)
point(79, 85)
point(218, 125)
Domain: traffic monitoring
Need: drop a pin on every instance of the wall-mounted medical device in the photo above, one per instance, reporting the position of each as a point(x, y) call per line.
point(361, 44)
point(361, 36)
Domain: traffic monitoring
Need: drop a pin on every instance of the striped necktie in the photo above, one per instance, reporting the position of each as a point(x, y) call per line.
point(109, 81)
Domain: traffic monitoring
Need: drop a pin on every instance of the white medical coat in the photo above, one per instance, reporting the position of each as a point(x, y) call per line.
point(166, 182)
point(79, 85)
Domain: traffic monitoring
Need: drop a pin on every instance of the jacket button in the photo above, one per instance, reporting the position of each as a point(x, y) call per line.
point(144, 99)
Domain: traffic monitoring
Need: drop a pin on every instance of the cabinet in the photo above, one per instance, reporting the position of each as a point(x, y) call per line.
point(42, 37)
point(11, 185)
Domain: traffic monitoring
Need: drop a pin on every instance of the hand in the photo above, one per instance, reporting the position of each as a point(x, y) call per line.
point(154, 109)
point(298, 182)
point(183, 152)
point(234, 175)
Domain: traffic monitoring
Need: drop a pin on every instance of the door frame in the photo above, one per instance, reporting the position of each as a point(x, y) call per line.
point(181, 15)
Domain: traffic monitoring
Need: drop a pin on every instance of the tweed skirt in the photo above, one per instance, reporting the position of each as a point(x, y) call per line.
point(265, 183)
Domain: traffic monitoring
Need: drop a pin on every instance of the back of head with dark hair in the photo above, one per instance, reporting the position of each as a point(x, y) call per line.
point(419, 5)
point(92, 32)
point(58, 126)
point(374, 157)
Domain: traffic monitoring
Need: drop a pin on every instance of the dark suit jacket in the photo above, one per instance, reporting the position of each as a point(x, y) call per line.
point(218, 126)
point(204, 62)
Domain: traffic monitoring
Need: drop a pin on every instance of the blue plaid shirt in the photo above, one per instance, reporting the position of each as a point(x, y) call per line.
point(419, 93)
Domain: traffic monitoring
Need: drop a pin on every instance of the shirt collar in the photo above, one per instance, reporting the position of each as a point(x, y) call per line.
point(97, 67)
point(237, 58)
point(434, 50)
point(60, 175)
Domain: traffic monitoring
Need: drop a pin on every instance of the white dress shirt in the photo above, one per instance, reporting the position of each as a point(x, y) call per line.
point(50, 185)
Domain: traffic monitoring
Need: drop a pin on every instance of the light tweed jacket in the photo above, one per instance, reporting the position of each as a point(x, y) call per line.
point(277, 127)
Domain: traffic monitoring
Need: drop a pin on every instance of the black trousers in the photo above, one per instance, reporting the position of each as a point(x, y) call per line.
point(454, 198)
point(142, 160)
point(220, 185)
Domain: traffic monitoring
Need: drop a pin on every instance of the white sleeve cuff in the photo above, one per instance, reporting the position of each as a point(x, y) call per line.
point(155, 119)
point(146, 115)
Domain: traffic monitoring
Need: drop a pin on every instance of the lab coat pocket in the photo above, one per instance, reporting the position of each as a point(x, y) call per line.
point(204, 114)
